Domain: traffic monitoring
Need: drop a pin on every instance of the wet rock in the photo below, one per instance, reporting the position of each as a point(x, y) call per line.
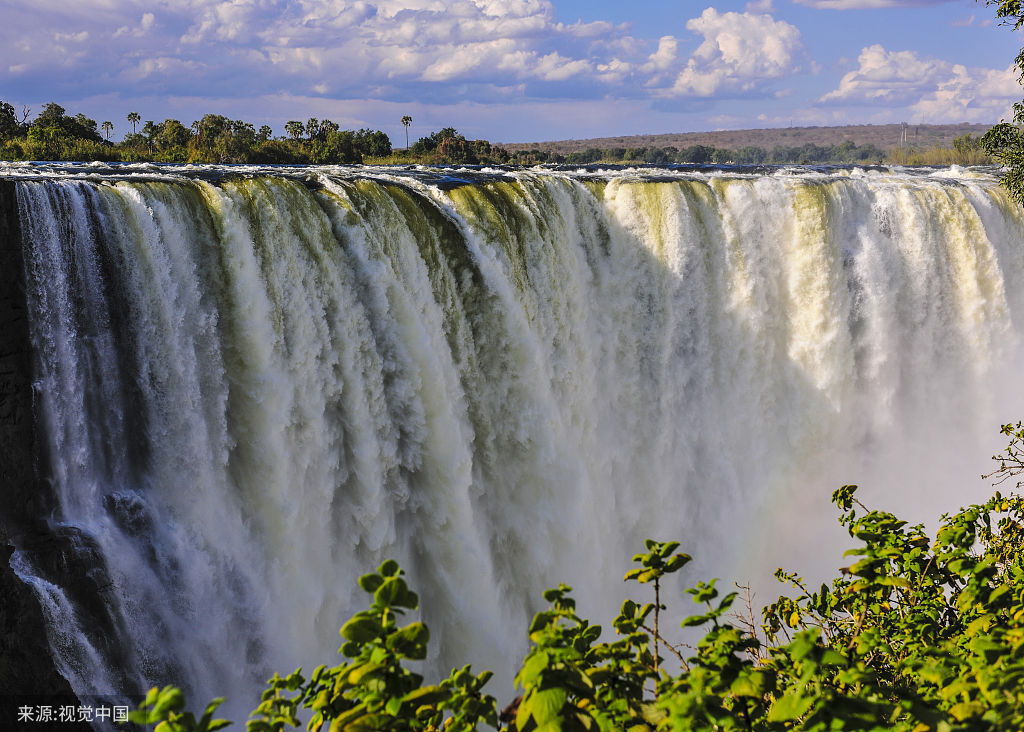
point(26, 499)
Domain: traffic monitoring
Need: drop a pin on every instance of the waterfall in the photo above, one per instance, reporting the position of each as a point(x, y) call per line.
point(256, 384)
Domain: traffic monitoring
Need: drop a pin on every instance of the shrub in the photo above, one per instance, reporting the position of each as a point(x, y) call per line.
point(916, 635)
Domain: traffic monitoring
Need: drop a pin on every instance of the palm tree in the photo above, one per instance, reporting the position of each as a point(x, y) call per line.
point(134, 118)
point(406, 121)
point(107, 129)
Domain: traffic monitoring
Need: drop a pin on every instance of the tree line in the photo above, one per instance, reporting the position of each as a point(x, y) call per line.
point(966, 150)
point(847, 152)
point(56, 135)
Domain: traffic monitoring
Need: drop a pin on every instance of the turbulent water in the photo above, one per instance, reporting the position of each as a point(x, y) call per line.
point(256, 384)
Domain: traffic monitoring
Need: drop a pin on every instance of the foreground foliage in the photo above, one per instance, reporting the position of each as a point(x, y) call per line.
point(916, 635)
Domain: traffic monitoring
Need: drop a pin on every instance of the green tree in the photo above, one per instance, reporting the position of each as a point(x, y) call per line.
point(9, 126)
point(133, 119)
point(1005, 141)
point(313, 131)
point(150, 130)
point(172, 133)
point(82, 126)
point(54, 129)
point(337, 147)
point(449, 145)
point(108, 127)
point(406, 121)
point(372, 143)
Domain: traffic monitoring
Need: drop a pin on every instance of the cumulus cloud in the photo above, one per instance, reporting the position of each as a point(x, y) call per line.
point(462, 48)
point(935, 90)
point(144, 26)
point(304, 43)
point(739, 52)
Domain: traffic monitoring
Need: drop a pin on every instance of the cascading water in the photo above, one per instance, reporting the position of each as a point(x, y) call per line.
point(255, 385)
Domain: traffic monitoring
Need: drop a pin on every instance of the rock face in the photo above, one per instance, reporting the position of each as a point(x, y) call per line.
point(27, 672)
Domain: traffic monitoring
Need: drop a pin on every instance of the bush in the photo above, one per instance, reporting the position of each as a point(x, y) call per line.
point(916, 635)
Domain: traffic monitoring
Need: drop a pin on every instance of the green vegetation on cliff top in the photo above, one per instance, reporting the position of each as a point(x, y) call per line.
point(55, 135)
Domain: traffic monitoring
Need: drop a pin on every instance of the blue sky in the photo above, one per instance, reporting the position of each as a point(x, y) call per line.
point(513, 70)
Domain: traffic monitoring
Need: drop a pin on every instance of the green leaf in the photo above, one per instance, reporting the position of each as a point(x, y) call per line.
point(532, 668)
point(431, 695)
point(370, 582)
point(966, 710)
point(360, 672)
point(541, 620)
point(677, 562)
point(394, 592)
point(667, 548)
point(790, 707)
point(833, 658)
point(411, 641)
point(936, 673)
point(547, 704)
point(170, 700)
point(694, 620)
point(753, 683)
point(362, 628)
point(207, 722)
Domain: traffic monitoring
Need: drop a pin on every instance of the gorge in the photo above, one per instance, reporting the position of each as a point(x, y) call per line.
point(228, 391)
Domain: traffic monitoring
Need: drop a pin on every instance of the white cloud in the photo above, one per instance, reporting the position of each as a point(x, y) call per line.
point(389, 48)
point(665, 57)
point(398, 41)
point(555, 67)
point(933, 89)
point(662, 66)
point(160, 67)
point(614, 71)
point(974, 95)
point(145, 25)
point(739, 51)
point(79, 37)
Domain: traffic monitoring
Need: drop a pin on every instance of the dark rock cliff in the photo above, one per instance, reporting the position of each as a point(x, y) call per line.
point(27, 672)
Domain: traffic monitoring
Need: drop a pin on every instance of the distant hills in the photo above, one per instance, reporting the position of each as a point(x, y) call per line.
point(922, 137)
